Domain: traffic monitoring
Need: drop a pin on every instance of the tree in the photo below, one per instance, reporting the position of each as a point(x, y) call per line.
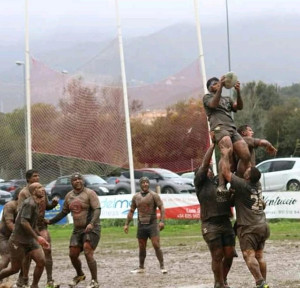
point(281, 127)
point(258, 98)
point(172, 141)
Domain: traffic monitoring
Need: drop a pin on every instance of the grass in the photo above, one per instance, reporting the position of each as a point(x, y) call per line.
point(176, 233)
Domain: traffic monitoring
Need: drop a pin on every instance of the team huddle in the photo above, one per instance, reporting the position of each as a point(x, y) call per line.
point(24, 234)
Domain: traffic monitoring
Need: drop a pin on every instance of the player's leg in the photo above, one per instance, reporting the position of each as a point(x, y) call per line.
point(241, 149)
point(155, 239)
point(49, 261)
point(17, 253)
point(224, 144)
point(38, 257)
point(253, 265)
point(90, 242)
point(142, 252)
point(217, 254)
point(4, 252)
point(74, 252)
point(259, 255)
point(5, 258)
point(88, 250)
point(158, 252)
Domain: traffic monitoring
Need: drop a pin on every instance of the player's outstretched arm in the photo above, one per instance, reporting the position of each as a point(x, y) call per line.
point(270, 149)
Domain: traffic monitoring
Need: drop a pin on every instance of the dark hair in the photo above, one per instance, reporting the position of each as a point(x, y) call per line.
point(29, 173)
point(242, 129)
point(211, 80)
point(16, 194)
point(254, 175)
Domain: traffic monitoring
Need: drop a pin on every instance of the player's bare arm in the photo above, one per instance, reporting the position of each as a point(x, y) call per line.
point(217, 89)
point(238, 105)
point(26, 225)
point(128, 220)
point(270, 149)
point(207, 157)
point(161, 223)
point(94, 221)
point(226, 165)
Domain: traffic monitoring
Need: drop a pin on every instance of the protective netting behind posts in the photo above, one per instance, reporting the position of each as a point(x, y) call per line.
point(79, 124)
point(78, 118)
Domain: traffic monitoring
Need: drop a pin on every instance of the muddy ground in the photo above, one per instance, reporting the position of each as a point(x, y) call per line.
point(188, 266)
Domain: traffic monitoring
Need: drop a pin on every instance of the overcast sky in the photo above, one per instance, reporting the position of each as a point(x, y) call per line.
point(48, 16)
point(58, 24)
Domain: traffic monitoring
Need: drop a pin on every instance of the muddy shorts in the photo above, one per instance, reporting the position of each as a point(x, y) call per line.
point(146, 231)
point(253, 237)
point(79, 237)
point(218, 234)
point(221, 131)
point(18, 250)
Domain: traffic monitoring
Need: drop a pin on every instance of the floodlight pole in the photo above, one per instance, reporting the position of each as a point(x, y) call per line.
point(202, 69)
point(228, 51)
point(126, 105)
point(228, 38)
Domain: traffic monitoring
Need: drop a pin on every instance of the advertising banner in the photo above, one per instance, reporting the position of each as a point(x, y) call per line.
point(51, 213)
point(177, 206)
point(282, 204)
point(185, 206)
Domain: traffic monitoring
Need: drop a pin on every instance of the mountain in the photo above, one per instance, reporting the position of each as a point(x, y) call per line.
point(260, 49)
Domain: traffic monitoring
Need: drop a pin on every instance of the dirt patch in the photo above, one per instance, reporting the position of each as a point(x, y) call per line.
point(188, 266)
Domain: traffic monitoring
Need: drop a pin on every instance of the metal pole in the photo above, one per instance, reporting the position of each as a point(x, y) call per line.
point(126, 106)
point(228, 51)
point(228, 38)
point(202, 69)
point(27, 88)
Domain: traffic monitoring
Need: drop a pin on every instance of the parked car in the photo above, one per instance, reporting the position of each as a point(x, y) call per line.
point(280, 174)
point(5, 197)
point(19, 182)
point(63, 185)
point(12, 185)
point(112, 180)
point(169, 182)
point(189, 175)
point(48, 187)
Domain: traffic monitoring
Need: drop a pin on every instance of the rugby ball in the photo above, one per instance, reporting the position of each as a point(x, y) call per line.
point(230, 80)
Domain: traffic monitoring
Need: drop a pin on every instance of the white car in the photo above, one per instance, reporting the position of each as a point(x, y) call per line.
point(190, 175)
point(280, 174)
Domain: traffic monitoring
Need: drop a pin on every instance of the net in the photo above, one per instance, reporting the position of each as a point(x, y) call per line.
point(80, 125)
point(78, 119)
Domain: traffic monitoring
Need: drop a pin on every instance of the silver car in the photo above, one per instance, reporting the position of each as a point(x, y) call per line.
point(168, 181)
